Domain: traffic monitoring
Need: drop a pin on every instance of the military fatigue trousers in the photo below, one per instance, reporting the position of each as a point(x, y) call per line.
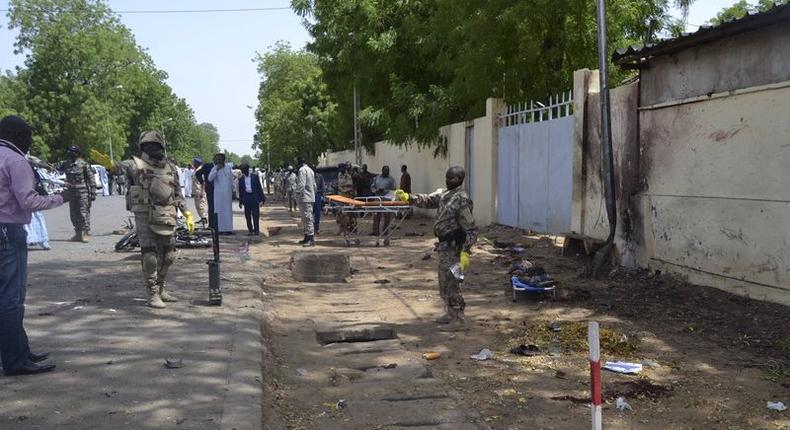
point(80, 210)
point(158, 251)
point(449, 287)
point(200, 205)
point(307, 217)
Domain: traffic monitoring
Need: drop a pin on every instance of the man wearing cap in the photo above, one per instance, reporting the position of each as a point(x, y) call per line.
point(82, 186)
point(155, 198)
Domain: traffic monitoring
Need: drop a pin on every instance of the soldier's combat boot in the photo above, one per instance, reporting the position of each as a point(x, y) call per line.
point(303, 241)
point(85, 238)
point(167, 297)
point(77, 237)
point(309, 241)
point(155, 300)
point(457, 323)
point(444, 319)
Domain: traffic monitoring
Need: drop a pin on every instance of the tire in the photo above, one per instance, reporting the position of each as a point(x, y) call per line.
point(127, 242)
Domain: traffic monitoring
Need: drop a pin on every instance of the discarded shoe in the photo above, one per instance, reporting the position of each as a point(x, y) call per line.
point(526, 350)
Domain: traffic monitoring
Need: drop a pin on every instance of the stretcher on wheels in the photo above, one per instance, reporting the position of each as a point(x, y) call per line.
point(364, 208)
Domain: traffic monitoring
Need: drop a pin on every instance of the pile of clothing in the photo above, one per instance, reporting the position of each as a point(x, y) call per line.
point(529, 274)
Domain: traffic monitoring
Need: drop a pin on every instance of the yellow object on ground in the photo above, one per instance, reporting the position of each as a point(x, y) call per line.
point(190, 220)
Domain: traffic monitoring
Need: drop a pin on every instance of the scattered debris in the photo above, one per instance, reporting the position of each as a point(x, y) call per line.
point(555, 326)
point(776, 406)
point(650, 363)
point(623, 367)
point(381, 281)
point(530, 350)
point(484, 354)
point(302, 371)
point(431, 355)
point(572, 399)
point(636, 389)
point(501, 244)
point(426, 257)
point(76, 308)
point(390, 366)
point(517, 250)
point(174, 363)
point(622, 405)
point(415, 234)
point(274, 231)
point(341, 404)
point(573, 338)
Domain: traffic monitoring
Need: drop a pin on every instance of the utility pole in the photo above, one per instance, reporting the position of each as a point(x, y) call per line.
point(357, 131)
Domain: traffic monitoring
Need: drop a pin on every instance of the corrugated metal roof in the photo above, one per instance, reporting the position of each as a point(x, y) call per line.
point(634, 55)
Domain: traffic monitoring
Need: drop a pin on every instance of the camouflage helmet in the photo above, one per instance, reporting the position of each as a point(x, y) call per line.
point(151, 136)
point(74, 149)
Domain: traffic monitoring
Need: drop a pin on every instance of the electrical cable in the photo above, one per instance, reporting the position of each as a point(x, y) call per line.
point(254, 9)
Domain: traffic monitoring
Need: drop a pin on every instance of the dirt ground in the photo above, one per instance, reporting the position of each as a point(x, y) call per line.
point(711, 359)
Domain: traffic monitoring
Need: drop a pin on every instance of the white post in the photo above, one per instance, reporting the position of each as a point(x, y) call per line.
point(595, 375)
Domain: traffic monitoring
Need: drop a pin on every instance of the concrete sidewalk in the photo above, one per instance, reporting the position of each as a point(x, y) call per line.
point(86, 306)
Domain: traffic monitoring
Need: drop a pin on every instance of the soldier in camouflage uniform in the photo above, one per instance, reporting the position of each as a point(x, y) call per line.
point(82, 187)
point(155, 197)
point(345, 188)
point(455, 228)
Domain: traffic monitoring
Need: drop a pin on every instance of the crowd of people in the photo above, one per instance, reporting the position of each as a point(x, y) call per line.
point(156, 189)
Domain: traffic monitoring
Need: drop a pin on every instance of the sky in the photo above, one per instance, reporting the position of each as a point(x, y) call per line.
point(208, 56)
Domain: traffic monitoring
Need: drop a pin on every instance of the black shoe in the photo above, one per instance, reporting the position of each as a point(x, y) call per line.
point(38, 358)
point(309, 242)
point(303, 241)
point(31, 368)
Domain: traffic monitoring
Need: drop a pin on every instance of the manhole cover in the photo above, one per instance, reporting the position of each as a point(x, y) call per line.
point(320, 267)
point(365, 333)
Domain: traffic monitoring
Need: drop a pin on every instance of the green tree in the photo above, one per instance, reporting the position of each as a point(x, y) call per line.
point(87, 82)
point(743, 8)
point(295, 114)
point(419, 65)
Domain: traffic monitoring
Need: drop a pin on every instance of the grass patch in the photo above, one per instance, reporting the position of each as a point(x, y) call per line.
point(573, 338)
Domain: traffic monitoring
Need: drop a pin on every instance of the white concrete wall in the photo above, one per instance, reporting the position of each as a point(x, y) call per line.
point(715, 173)
point(427, 172)
point(701, 185)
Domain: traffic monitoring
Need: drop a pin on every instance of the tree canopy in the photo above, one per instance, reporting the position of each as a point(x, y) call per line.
point(743, 8)
point(296, 117)
point(86, 82)
point(421, 64)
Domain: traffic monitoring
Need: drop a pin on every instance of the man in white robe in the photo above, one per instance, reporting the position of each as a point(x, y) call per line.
point(221, 177)
point(188, 173)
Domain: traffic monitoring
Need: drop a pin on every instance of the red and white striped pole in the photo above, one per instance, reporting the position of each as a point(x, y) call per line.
point(595, 374)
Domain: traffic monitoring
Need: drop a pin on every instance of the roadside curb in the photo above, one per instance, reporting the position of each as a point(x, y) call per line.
point(242, 408)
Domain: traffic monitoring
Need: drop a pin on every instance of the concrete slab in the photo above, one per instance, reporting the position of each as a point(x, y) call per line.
point(320, 267)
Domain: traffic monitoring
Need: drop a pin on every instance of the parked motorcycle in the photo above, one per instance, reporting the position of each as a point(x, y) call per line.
point(200, 238)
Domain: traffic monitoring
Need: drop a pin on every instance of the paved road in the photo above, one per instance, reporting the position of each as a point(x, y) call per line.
point(86, 306)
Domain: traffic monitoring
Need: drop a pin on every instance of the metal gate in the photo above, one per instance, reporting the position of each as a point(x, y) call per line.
point(535, 171)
